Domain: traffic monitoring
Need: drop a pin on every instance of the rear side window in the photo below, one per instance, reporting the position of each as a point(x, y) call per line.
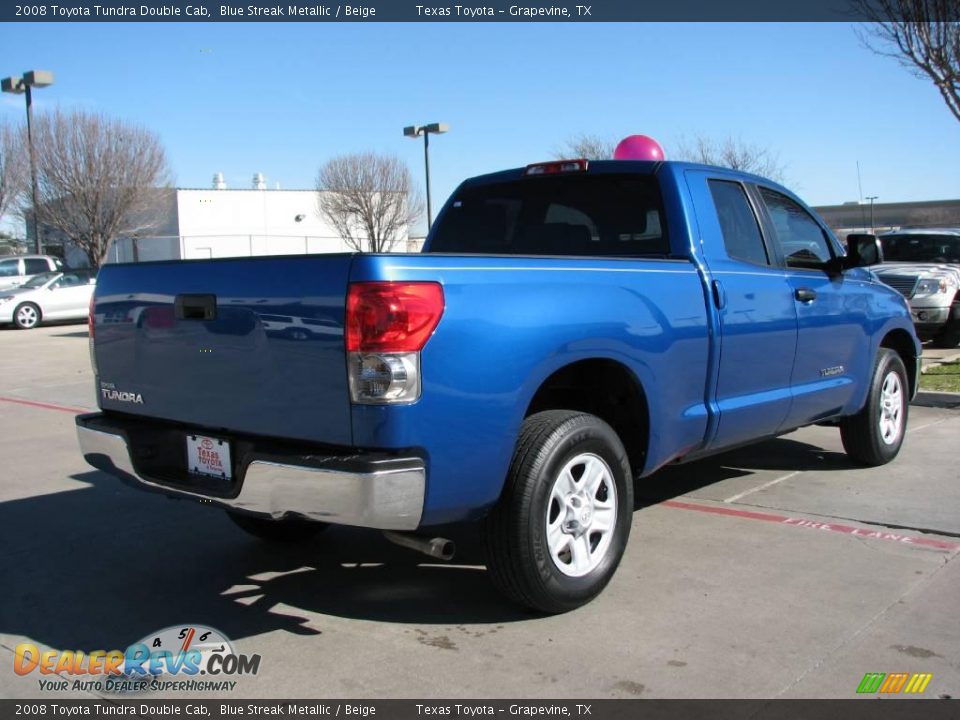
point(741, 232)
point(35, 265)
point(801, 239)
point(9, 268)
point(608, 215)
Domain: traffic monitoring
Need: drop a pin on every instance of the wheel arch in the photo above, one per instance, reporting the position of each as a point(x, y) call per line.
point(607, 389)
point(902, 343)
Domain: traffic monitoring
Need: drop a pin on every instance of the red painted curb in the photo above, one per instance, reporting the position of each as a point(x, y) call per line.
point(816, 525)
point(46, 406)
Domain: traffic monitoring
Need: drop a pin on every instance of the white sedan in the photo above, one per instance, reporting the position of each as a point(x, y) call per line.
point(49, 296)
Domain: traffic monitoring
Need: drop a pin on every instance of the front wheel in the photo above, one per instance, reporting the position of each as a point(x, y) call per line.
point(287, 530)
point(949, 337)
point(556, 536)
point(26, 316)
point(874, 435)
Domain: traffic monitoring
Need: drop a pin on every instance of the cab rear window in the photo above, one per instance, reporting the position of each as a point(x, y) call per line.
point(599, 215)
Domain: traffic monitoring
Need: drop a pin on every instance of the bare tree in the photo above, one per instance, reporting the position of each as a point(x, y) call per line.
point(924, 35)
point(731, 153)
point(369, 199)
point(99, 179)
point(585, 145)
point(13, 167)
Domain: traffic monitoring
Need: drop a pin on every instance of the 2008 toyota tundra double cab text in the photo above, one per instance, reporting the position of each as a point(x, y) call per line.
point(569, 327)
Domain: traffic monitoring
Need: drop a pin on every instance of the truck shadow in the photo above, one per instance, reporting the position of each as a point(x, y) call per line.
point(783, 454)
point(103, 565)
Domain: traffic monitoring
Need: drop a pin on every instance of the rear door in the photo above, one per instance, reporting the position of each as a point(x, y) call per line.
point(758, 320)
point(190, 342)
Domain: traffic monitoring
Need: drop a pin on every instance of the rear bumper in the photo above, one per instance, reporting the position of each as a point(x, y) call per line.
point(370, 491)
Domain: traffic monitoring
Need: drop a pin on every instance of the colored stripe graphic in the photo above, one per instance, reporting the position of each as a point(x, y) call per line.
point(871, 682)
point(918, 683)
point(894, 683)
point(890, 684)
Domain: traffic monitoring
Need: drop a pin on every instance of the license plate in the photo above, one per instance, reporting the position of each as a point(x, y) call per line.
point(208, 456)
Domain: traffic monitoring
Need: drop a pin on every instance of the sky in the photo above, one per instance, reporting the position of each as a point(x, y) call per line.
point(281, 98)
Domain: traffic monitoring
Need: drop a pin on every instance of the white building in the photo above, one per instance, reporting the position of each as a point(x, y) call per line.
point(222, 222)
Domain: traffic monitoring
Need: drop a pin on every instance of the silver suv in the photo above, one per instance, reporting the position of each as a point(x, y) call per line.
point(923, 264)
point(15, 270)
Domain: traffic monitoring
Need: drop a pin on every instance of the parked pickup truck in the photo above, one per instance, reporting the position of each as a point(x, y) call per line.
point(925, 268)
point(569, 326)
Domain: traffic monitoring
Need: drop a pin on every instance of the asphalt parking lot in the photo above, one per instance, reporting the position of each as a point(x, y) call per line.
point(778, 570)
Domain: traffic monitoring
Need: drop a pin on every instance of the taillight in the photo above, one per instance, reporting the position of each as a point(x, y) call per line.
point(392, 316)
point(387, 325)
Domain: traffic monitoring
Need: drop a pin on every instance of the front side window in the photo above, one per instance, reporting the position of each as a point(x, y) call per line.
point(35, 265)
point(38, 281)
point(738, 224)
point(600, 215)
point(802, 241)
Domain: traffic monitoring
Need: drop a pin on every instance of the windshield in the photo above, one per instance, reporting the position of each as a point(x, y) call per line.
point(618, 215)
point(40, 280)
point(921, 248)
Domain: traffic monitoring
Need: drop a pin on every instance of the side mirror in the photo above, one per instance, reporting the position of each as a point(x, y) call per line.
point(863, 249)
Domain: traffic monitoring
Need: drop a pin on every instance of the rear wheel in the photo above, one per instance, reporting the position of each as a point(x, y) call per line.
point(287, 530)
point(26, 316)
point(556, 536)
point(874, 435)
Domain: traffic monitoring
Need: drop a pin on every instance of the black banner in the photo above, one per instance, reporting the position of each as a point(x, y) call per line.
point(857, 709)
point(435, 11)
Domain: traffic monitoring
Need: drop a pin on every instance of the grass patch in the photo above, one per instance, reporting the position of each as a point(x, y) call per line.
point(942, 378)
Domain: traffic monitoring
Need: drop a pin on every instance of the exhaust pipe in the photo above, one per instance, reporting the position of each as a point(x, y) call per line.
point(440, 548)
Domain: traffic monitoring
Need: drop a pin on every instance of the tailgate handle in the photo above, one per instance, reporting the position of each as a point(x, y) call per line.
point(195, 307)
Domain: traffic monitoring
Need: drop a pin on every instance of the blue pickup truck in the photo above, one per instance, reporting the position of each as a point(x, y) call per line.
point(569, 328)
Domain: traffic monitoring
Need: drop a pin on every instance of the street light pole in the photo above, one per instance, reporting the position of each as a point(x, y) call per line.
point(871, 198)
point(414, 131)
point(426, 165)
point(17, 85)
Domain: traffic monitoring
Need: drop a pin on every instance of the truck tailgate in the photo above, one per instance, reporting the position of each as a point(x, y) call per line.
point(250, 345)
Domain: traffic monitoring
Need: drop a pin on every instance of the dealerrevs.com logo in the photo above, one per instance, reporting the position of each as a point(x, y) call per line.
point(177, 658)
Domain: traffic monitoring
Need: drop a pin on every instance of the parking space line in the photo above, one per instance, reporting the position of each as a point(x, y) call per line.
point(46, 406)
point(814, 525)
point(929, 424)
point(758, 488)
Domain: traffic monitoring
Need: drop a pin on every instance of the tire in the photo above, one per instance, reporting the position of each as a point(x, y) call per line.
point(949, 337)
point(874, 435)
point(542, 540)
point(287, 530)
point(26, 316)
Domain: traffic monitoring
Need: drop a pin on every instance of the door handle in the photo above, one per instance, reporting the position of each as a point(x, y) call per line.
point(719, 297)
point(805, 295)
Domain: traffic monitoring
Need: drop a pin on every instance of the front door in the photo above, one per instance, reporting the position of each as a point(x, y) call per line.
point(833, 331)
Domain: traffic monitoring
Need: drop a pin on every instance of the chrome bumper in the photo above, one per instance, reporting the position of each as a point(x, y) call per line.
point(391, 499)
